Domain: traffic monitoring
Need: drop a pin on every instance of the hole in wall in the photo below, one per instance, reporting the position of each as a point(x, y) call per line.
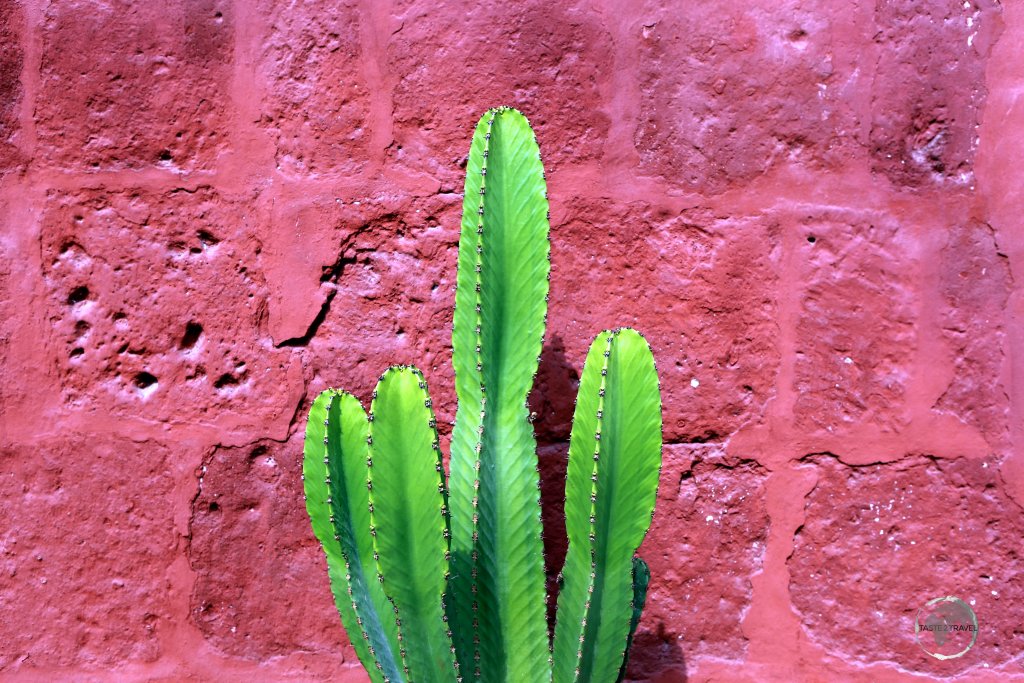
point(77, 295)
point(193, 331)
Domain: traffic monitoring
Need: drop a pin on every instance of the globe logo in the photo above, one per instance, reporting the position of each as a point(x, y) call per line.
point(946, 628)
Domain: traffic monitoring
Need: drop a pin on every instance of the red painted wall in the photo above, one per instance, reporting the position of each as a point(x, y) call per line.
point(212, 210)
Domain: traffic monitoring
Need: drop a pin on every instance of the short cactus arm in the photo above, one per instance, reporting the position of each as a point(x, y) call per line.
point(334, 479)
point(611, 484)
point(408, 521)
point(498, 329)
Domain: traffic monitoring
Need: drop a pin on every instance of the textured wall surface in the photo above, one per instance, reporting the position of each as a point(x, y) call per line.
point(211, 210)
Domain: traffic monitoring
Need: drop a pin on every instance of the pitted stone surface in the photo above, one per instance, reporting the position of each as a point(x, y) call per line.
point(889, 83)
point(976, 284)
point(156, 309)
point(566, 45)
point(707, 539)
point(856, 328)
point(86, 547)
point(12, 58)
point(152, 92)
point(317, 98)
point(727, 95)
point(398, 259)
point(672, 276)
point(247, 532)
point(928, 88)
point(922, 528)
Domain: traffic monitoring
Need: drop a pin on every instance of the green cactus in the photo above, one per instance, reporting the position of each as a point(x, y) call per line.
point(439, 585)
point(498, 607)
point(614, 458)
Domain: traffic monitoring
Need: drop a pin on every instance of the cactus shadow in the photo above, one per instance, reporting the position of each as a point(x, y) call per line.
point(554, 394)
point(656, 656)
point(552, 402)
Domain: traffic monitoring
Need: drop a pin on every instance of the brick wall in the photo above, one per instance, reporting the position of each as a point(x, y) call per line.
point(212, 210)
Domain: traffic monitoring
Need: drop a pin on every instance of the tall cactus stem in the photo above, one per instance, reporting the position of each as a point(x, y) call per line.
point(611, 487)
point(497, 553)
point(335, 493)
point(409, 531)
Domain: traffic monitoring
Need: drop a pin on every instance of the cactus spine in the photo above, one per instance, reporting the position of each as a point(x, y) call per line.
point(448, 585)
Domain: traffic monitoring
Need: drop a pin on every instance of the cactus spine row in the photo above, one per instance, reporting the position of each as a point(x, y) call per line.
point(476, 278)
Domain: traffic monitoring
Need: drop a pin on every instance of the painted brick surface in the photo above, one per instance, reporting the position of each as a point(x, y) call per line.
point(211, 210)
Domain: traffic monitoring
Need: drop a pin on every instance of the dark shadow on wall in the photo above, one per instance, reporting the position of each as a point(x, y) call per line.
point(553, 461)
point(551, 403)
point(654, 656)
point(554, 393)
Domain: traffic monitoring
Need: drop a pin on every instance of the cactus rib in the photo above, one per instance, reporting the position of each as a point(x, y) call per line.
point(599, 418)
